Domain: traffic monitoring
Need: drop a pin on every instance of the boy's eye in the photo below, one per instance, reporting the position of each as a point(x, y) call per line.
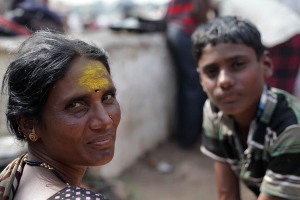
point(236, 65)
point(211, 71)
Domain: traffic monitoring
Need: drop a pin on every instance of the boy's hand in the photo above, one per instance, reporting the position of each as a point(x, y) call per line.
point(227, 182)
point(263, 196)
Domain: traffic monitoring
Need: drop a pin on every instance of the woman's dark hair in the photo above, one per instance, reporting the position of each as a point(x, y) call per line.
point(228, 29)
point(41, 61)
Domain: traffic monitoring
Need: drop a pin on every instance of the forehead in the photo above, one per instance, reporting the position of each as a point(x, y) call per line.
point(84, 66)
point(83, 78)
point(225, 51)
point(87, 74)
point(93, 76)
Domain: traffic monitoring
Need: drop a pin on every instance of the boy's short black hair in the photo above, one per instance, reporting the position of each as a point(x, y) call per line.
point(227, 29)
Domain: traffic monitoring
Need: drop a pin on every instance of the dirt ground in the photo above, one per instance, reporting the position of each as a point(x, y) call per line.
point(192, 177)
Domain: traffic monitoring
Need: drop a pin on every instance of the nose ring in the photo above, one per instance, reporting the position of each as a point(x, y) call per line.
point(109, 116)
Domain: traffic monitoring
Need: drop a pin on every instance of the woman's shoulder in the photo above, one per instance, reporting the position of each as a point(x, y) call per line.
point(77, 192)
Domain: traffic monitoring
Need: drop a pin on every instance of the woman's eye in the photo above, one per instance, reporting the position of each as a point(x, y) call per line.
point(76, 107)
point(108, 97)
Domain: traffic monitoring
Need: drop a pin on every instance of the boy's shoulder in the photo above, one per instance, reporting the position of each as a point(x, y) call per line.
point(286, 100)
point(287, 110)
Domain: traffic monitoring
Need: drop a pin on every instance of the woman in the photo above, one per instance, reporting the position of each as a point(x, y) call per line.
point(62, 102)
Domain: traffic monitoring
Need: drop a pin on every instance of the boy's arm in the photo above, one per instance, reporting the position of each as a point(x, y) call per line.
point(227, 182)
point(282, 177)
point(262, 196)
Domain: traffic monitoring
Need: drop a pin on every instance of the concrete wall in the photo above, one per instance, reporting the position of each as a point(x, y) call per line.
point(142, 71)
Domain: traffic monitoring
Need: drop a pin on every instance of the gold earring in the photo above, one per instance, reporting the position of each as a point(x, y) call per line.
point(32, 136)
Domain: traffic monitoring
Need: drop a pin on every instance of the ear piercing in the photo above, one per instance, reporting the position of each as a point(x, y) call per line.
point(32, 136)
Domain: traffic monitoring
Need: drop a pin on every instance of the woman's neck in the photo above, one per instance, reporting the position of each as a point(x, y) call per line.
point(67, 173)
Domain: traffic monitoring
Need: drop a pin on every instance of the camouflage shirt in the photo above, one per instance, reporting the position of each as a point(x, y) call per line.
point(270, 161)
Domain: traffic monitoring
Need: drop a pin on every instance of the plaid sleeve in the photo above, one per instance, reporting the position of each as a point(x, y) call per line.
point(282, 178)
point(211, 141)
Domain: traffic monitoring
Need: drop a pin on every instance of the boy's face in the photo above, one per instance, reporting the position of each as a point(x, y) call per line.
point(233, 77)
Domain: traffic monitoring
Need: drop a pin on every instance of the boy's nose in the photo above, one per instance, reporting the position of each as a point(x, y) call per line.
point(225, 79)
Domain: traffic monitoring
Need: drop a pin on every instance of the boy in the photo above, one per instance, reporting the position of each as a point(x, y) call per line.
point(251, 130)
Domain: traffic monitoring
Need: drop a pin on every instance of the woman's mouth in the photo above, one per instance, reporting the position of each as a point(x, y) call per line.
point(102, 141)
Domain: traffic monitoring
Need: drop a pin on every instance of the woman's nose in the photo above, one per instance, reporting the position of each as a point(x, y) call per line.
point(100, 119)
point(225, 79)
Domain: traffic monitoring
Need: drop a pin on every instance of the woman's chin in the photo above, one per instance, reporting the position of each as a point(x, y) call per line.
point(104, 159)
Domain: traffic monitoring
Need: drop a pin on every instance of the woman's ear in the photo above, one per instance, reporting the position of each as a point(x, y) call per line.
point(27, 126)
point(267, 65)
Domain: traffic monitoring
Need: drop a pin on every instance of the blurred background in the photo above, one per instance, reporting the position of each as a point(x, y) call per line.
point(97, 14)
point(78, 16)
point(148, 162)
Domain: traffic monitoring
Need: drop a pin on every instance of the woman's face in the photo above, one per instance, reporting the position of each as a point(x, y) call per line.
point(81, 116)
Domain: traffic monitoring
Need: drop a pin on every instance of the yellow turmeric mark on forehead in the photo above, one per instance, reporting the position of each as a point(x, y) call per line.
point(94, 76)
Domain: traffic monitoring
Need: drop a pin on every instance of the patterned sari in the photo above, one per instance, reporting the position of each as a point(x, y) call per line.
point(10, 178)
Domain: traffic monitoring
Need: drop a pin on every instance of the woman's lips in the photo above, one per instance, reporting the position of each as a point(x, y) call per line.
point(103, 140)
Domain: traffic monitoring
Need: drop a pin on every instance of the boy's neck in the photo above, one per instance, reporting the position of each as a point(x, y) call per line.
point(243, 121)
point(242, 125)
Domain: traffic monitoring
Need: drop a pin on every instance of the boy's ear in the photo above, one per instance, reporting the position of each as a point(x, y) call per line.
point(203, 86)
point(267, 65)
point(198, 71)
